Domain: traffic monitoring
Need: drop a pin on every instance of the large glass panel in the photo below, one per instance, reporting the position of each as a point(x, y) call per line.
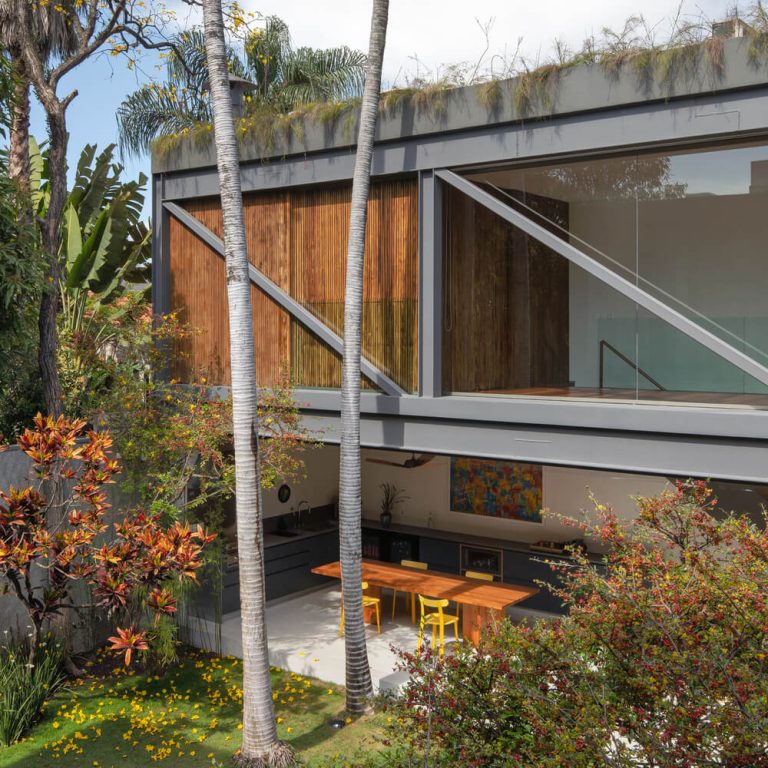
point(686, 227)
point(703, 243)
point(688, 372)
point(521, 319)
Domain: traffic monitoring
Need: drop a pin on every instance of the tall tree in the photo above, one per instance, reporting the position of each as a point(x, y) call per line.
point(285, 77)
point(93, 24)
point(53, 36)
point(260, 745)
point(358, 673)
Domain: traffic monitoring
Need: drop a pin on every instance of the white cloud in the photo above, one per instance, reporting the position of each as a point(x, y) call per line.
point(445, 31)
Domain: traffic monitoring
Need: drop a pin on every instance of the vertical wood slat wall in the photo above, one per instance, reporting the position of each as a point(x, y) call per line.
point(506, 314)
point(299, 240)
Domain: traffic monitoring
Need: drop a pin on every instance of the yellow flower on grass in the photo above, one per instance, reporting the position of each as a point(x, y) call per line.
point(55, 724)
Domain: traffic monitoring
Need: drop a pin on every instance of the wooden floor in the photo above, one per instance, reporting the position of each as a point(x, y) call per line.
point(655, 395)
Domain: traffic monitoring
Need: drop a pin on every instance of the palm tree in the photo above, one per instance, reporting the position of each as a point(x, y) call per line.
point(285, 78)
point(358, 673)
point(260, 745)
point(53, 37)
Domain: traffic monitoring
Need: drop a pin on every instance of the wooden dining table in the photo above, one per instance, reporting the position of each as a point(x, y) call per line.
point(480, 600)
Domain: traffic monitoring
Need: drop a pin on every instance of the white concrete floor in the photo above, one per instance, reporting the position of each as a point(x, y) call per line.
point(304, 636)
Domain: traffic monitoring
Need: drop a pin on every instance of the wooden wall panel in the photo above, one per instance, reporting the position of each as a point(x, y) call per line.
point(198, 288)
point(299, 239)
point(319, 222)
point(477, 274)
point(198, 295)
point(506, 301)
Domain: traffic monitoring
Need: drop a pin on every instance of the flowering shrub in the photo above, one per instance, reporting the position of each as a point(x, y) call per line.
point(170, 433)
point(173, 437)
point(662, 662)
point(47, 543)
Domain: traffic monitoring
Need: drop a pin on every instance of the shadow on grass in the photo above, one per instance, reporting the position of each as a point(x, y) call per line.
point(195, 707)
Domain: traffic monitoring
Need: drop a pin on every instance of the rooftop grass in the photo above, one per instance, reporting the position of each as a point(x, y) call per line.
point(189, 716)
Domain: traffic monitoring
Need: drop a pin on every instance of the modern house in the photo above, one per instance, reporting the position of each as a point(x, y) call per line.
point(566, 290)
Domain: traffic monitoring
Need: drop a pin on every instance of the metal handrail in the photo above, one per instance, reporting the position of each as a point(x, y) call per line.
point(631, 363)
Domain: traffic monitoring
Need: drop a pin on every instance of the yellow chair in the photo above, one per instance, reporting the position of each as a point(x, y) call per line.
point(368, 602)
point(409, 564)
point(436, 619)
point(480, 576)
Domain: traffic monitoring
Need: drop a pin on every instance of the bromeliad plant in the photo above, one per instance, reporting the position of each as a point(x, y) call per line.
point(42, 560)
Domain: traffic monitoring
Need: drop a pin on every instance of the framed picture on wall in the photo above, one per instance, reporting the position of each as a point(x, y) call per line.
point(505, 489)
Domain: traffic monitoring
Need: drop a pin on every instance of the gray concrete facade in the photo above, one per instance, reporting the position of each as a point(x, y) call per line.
point(588, 112)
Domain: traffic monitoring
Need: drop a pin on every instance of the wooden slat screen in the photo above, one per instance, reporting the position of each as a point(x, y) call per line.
point(299, 240)
point(505, 323)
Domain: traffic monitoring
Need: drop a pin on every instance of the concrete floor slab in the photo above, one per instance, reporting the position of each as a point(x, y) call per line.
point(304, 637)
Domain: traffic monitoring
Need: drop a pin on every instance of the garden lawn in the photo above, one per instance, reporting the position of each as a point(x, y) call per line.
point(187, 717)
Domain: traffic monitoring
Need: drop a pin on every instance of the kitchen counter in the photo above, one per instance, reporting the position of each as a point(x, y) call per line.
point(467, 539)
point(274, 540)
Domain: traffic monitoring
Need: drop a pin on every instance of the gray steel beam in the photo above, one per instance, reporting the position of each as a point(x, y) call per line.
point(430, 286)
point(633, 292)
point(161, 293)
point(692, 121)
point(161, 268)
point(280, 297)
point(719, 458)
point(570, 413)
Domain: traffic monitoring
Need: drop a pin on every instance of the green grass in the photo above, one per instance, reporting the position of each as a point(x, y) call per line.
point(188, 717)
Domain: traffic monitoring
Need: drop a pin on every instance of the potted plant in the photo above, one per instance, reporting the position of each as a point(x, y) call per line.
point(391, 497)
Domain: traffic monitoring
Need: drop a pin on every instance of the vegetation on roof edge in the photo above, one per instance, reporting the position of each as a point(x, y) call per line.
point(533, 86)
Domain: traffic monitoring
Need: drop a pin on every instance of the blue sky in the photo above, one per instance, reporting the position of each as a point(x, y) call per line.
point(424, 34)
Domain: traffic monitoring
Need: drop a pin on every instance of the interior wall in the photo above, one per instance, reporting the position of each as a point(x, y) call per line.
point(566, 491)
point(320, 485)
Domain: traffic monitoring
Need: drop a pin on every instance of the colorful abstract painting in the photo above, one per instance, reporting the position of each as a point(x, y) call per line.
point(496, 488)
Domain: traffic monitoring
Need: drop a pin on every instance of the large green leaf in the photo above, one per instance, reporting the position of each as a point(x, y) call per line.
point(72, 239)
point(77, 274)
point(38, 177)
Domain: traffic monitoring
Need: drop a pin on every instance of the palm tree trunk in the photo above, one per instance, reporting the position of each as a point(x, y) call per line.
point(50, 228)
point(18, 153)
point(260, 745)
point(358, 673)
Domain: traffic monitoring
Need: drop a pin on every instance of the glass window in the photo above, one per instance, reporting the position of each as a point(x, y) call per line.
point(686, 227)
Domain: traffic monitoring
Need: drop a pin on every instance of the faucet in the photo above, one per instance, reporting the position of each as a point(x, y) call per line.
point(298, 510)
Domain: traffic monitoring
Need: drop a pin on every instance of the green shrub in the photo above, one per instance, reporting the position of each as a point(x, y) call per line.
point(662, 662)
point(24, 687)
